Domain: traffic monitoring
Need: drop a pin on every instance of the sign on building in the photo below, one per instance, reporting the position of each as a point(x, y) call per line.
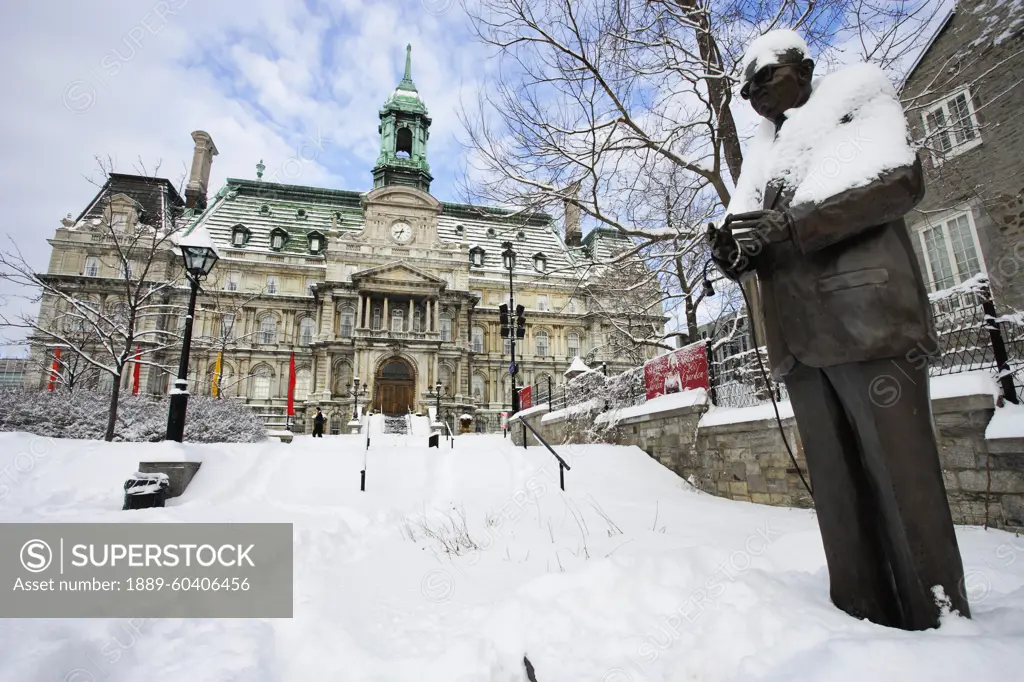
point(525, 397)
point(677, 371)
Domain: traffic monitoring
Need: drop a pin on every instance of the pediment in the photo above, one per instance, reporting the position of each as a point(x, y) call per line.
point(397, 195)
point(397, 272)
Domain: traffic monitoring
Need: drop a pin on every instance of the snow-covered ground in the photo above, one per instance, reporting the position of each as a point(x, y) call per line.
point(629, 575)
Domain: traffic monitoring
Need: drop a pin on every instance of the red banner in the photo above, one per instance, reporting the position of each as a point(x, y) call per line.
point(56, 368)
point(677, 371)
point(291, 387)
point(525, 397)
point(137, 371)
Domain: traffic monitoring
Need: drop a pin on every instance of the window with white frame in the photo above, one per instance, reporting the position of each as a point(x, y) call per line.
point(303, 382)
point(446, 327)
point(444, 374)
point(479, 388)
point(306, 329)
point(507, 347)
point(478, 339)
point(542, 343)
point(951, 127)
point(542, 302)
point(376, 318)
point(261, 381)
point(227, 326)
point(348, 318)
point(271, 284)
point(573, 343)
point(234, 279)
point(92, 266)
point(268, 330)
point(398, 320)
point(951, 251)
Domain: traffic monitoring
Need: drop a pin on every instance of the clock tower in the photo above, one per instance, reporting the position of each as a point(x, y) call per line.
point(404, 129)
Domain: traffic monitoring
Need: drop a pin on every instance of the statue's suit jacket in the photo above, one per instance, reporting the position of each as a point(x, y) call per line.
point(846, 287)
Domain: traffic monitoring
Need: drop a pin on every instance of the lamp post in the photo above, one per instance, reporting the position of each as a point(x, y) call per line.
point(512, 328)
point(200, 255)
point(353, 391)
point(437, 394)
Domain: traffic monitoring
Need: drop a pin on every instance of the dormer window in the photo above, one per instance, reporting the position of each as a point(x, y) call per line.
point(491, 232)
point(540, 262)
point(316, 242)
point(277, 239)
point(264, 210)
point(301, 214)
point(521, 235)
point(239, 236)
point(460, 229)
point(476, 257)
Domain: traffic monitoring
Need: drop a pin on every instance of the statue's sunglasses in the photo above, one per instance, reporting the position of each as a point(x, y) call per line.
point(763, 75)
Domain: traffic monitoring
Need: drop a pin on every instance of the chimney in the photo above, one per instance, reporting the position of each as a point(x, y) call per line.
point(199, 177)
point(573, 235)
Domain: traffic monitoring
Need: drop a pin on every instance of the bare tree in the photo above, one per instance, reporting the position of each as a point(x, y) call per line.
point(609, 106)
point(227, 309)
point(117, 311)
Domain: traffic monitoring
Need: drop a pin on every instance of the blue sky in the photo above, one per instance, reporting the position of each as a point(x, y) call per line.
point(297, 84)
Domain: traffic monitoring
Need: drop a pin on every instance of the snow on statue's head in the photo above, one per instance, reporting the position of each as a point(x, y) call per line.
point(773, 48)
point(770, 88)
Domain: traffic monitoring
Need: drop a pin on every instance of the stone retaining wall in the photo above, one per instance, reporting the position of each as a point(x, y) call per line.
point(747, 460)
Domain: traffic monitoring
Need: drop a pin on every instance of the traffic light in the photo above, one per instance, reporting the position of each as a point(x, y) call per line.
point(520, 322)
point(503, 318)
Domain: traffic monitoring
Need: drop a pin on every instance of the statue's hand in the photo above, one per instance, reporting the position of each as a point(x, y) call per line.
point(754, 229)
point(727, 254)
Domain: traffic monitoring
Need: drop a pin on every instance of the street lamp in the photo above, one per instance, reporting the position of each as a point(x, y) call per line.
point(437, 394)
point(200, 255)
point(512, 329)
point(354, 392)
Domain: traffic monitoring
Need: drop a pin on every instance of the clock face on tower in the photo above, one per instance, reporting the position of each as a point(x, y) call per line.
point(401, 232)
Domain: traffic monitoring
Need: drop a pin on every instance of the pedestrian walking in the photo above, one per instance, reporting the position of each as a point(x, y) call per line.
point(318, 424)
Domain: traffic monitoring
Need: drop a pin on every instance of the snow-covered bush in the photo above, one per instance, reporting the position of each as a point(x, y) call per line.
point(83, 414)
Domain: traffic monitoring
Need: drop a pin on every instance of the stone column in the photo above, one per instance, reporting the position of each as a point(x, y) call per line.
point(437, 315)
point(327, 378)
point(384, 324)
point(426, 316)
point(412, 313)
point(359, 312)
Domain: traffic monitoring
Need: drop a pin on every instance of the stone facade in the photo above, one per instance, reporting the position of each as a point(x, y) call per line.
point(391, 286)
point(747, 460)
point(977, 53)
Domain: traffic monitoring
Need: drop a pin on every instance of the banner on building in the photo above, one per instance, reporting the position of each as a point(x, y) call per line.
point(525, 397)
point(677, 371)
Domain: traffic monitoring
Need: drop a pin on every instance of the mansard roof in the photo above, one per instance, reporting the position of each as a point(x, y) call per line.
point(157, 197)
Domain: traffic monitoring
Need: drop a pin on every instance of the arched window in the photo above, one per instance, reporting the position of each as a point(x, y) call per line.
point(303, 382)
point(478, 339)
point(398, 320)
point(347, 318)
point(306, 328)
point(227, 326)
point(573, 342)
point(444, 373)
point(227, 385)
point(261, 381)
point(542, 343)
point(446, 327)
point(403, 143)
point(268, 329)
point(342, 374)
point(479, 388)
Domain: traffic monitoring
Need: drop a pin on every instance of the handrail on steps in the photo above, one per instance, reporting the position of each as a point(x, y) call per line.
point(562, 466)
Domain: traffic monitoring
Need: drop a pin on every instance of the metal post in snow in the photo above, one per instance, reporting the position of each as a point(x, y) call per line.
point(549, 394)
point(995, 335)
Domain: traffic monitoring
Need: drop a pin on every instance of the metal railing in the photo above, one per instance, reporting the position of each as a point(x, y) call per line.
point(562, 466)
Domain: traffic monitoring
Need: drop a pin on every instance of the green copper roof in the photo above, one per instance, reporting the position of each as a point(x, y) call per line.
point(405, 97)
point(406, 83)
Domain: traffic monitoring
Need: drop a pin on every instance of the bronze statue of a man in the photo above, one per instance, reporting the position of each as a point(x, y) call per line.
point(818, 216)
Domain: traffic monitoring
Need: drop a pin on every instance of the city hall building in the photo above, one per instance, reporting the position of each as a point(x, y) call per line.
point(388, 286)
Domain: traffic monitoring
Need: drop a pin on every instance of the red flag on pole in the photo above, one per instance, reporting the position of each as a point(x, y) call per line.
point(136, 373)
point(56, 368)
point(291, 387)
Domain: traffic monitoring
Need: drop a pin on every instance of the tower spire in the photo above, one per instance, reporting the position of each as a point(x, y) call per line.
point(407, 83)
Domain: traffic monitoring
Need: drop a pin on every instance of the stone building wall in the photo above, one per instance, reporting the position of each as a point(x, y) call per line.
point(747, 460)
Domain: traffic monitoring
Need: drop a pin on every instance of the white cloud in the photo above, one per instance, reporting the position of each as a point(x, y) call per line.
point(267, 79)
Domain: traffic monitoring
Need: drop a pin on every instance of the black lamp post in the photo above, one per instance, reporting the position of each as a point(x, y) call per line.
point(512, 329)
point(200, 257)
point(353, 391)
point(437, 394)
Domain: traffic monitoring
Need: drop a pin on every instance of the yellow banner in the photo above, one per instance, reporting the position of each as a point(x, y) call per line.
point(215, 388)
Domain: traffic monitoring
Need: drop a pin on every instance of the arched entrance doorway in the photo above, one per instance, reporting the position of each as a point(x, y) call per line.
point(394, 390)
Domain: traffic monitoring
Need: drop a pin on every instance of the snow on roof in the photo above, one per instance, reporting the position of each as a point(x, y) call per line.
point(577, 365)
point(766, 49)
